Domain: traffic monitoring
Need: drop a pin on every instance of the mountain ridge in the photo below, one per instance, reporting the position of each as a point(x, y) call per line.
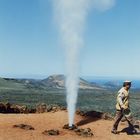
point(52, 81)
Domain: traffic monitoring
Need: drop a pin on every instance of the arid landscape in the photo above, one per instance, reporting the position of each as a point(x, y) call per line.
point(32, 108)
point(45, 121)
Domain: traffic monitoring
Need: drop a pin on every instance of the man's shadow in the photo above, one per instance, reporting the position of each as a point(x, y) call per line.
point(130, 131)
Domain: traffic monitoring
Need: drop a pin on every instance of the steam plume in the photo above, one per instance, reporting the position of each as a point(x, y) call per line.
point(71, 16)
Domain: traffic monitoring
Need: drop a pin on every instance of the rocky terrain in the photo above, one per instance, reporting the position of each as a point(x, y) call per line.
point(8, 108)
point(51, 122)
point(49, 125)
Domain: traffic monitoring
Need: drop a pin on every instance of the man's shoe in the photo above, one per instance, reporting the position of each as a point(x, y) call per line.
point(114, 132)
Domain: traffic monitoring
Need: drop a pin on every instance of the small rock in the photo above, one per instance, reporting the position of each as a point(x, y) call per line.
point(3, 108)
point(62, 108)
point(41, 108)
point(24, 126)
point(51, 132)
point(49, 108)
point(32, 110)
point(19, 109)
point(80, 132)
point(73, 127)
point(7, 105)
point(84, 132)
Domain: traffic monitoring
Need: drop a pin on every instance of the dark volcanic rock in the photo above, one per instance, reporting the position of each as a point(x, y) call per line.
point(3, 108)
point(63, 108)
point(10, 108)
point(41, 108)
point(73, 127)
point(32, 110)
point(24, 126)
point(84, 132)
point(18, 109)
point(80, 132)
point(51, 132)
point(49, 108)
point(54, 108)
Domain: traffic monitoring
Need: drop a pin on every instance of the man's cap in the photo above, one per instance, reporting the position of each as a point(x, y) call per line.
point(127, 82)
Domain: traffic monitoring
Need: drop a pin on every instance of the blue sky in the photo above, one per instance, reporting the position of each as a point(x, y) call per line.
point(29, 41)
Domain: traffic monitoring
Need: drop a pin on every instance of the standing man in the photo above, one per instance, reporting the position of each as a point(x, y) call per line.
point(122, 108)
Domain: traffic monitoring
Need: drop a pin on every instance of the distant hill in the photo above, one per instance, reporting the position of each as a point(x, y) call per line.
point(53, 81)
point(58, 81)
point(7, 83)
point(112, 84)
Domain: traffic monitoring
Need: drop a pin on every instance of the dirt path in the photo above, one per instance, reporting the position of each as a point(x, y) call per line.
point(41, 122)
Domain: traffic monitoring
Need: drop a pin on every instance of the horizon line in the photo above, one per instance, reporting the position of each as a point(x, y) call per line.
point(43, 76)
